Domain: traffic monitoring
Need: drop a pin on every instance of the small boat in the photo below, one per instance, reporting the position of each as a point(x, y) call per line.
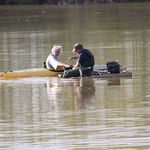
point(42, 72)
point(35, 72)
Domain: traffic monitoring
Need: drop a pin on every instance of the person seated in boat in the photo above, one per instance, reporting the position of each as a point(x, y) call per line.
point(52, 61)
point(85, 61)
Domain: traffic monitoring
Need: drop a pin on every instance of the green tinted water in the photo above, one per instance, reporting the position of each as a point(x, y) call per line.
point(51, 113)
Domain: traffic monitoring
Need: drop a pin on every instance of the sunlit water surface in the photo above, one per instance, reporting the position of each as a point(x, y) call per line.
point(44, 113)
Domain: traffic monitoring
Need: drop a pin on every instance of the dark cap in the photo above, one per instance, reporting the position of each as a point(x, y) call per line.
point(77, 46)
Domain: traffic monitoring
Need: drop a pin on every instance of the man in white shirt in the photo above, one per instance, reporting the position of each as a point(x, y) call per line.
point(52, 62)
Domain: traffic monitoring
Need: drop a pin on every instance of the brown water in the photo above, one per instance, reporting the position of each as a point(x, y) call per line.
point(72, 114)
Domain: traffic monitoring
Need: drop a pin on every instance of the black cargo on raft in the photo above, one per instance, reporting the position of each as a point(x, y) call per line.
point(113, 67)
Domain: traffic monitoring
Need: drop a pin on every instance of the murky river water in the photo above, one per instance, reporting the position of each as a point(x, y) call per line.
point(44, 113)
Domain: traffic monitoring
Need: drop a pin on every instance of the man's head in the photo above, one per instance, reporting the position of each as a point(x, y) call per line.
point(56, 50)
point(77, 48)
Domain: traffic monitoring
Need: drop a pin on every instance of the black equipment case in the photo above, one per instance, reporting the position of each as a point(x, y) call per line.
point(113, 67)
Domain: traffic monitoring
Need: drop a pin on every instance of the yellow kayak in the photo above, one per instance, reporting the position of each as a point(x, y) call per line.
point(36, 72)
point(41, 72)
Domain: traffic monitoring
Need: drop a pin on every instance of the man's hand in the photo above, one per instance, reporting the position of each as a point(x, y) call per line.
point(69, 58)
point(67, 66)
point(74, 57)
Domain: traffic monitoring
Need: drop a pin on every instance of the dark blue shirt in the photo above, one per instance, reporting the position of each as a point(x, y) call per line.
point(82, 57)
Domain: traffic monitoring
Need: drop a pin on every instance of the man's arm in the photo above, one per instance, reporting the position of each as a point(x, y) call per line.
point(73, 57)
point(62, 65)
point(76, 66)
point(55, 63)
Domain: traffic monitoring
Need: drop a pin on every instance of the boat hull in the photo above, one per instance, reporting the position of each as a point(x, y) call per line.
point(115, 75)
point(41, 72)
point(37, 72)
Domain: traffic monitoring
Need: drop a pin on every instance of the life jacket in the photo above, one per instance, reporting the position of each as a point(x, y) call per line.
point(90, 61)
point(59, 69)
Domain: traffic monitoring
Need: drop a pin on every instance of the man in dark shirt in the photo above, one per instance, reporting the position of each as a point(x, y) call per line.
point(85, 60)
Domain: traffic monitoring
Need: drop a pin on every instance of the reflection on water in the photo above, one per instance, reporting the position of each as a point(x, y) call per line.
point(115, 81)
point(82, 89)
point(86, 113)
point(72, 114)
